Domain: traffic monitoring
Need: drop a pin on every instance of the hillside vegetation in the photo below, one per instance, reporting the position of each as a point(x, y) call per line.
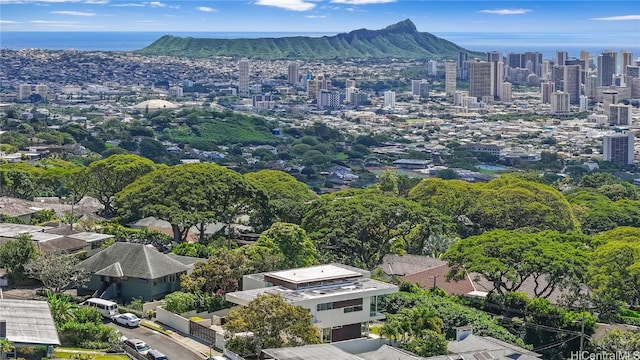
point(401, 40)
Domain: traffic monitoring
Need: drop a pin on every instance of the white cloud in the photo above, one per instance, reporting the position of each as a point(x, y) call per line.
point(618, 18)
point(505, 11)
point(293, 5)
point(129, 5)
point(73, 13)
point(50, 23)
point(8, 22)
point(44, 2)
point(206, 9)
point(315, 16)
point(362, 2)
point(156, 4)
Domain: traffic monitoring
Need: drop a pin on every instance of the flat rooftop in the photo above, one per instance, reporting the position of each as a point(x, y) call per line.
point(362, 286)
point(314, 274)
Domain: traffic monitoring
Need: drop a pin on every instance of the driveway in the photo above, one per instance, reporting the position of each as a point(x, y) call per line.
point(168, 346)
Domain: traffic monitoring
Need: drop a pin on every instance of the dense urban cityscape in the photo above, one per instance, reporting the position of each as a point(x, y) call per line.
point(462, 205)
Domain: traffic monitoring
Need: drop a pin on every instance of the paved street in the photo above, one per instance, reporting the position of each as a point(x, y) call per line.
point(168, 346)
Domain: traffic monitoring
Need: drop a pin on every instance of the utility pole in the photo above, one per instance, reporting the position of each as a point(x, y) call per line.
point(582, 334)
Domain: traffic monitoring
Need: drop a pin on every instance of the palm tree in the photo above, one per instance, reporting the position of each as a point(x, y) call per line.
point(61, 308)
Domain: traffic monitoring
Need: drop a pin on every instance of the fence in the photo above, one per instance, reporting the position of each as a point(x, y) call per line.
point(202, 332)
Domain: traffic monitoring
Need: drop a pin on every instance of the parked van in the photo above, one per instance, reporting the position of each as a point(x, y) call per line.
point(107, 308)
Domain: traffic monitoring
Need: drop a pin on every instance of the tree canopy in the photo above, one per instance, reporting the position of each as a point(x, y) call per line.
point(274, 323)
point(190, 195)
point(360, 227)
point(111, 175)
point(290, 243)
point(509, 258)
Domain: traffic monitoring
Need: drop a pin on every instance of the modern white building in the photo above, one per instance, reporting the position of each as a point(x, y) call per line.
point(559, 102)
point(342, 299)
point(506, 92)
point(176, 92)
point(389, 99)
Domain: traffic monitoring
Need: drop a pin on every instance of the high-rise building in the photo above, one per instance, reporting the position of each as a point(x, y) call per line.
point(561, 56)
point(176, 92)
point(536, 61)
point(506, 92)
point(607, 64)
point(497, 70)
point(626, 59)
point(584, 103)
point(618, 148)
point(559, 102)
point(24, 91)
point(609, 97)
point(571, 82)
point(432, 67)
point(545, 71)
point(494, 56)
point(462, 70)
point(546, 89)
point(293, 74)
point(450, 67)
point(420, 88)
point(328, 99)
point(42, 90)
point(312, 89)
point(590, 85)
point(480, 79)
point(619, 114)
point(358, 98)
point(349, 83)
point(243, 77)
point(389, 99)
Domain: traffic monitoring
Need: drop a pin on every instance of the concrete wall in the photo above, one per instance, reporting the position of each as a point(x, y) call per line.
point(232, 355)
point(172, 320)
point(151, 305)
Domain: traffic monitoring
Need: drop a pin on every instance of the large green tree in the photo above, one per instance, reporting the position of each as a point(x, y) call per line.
point(286, 195)
point(111, 175)
point(291, 242)
point(274, 323)
point(615, 265)
point(221, 273)
point(56, 271)
point(190, 195)
point(360, 227)
point(508, 258)
point(14, 254)
point(19, 180)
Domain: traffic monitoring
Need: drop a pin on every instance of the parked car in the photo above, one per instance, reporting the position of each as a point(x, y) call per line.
point(127, 319)
point(138, 345)
point(156, 355)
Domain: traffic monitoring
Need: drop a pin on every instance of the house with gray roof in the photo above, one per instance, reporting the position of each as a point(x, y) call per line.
point(125, 271)
point(27, 323)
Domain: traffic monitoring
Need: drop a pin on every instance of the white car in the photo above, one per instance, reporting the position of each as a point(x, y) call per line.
point(127, 319)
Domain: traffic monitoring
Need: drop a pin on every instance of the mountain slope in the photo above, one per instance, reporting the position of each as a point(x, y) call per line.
point(401, 40)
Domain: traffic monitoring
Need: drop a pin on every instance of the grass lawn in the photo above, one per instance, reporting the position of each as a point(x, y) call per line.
point(89, 355)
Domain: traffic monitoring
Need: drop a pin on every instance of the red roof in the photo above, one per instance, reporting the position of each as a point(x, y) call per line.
point(438, 274)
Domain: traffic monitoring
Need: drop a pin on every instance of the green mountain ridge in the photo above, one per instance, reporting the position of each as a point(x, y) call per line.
point(399, 41)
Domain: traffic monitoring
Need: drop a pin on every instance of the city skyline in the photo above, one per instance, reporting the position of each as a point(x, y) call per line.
point(327, 16)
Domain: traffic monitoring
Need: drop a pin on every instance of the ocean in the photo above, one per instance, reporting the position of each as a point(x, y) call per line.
point(546, 43)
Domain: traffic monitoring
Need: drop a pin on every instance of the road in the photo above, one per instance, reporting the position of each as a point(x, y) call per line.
point(166, 345)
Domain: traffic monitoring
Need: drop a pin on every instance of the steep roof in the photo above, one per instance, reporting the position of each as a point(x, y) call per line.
point(408, 264)
point(134, 260)
point(438, 276)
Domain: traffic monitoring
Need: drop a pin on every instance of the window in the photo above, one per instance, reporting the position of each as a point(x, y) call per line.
point(326, 335)
point(324, 306)
point(353, 309)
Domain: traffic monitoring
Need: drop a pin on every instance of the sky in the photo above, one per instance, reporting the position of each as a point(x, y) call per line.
point(324, 16)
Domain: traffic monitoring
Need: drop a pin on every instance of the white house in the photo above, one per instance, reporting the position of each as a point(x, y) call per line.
point(342, 299)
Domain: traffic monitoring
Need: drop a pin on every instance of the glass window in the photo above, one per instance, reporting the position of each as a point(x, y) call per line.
point(324, 306)
point(353, 309)
point(326, 335)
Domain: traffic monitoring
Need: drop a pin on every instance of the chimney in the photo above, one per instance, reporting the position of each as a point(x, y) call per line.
point(3, 329)
point(462, 332)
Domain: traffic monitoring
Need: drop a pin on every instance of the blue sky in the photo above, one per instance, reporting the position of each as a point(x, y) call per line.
point(327, 16)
